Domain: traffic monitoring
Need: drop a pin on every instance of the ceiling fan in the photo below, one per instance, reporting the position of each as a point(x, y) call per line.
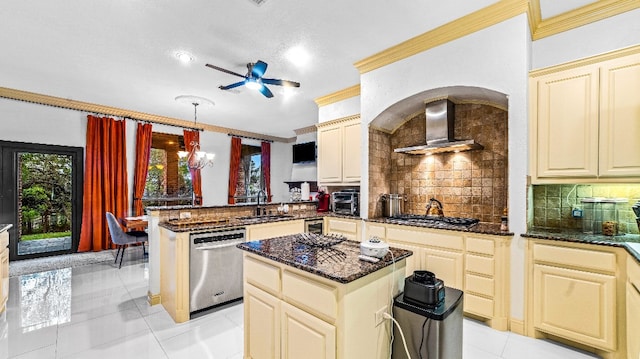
point(254, 80)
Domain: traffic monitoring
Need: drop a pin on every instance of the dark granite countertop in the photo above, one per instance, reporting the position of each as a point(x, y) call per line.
point(339, 263)
point(5, 227)
point(481, 228)
point(631, 242)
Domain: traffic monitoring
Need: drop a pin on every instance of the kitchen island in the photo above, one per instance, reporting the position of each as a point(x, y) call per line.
point(302, 301)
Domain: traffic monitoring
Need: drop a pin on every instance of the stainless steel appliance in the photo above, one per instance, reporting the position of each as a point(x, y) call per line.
point(215, 269)
point(393, 204)
point(346, 202)
point(314, 225)
point(433, 332)
point(435, 221)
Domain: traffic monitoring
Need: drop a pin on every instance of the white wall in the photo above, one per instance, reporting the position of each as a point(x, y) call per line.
point(27, 122)
point(603, 36)
point(496, 58)
point(344, 108)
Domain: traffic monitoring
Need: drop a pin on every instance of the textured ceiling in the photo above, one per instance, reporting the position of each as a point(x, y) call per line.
point(121, 53)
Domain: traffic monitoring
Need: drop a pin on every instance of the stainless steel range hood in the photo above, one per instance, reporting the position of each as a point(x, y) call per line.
point(440, 119)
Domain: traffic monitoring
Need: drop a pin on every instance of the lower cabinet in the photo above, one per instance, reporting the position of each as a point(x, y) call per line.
point(289, 313)
point(305, 336)
point(575, 294)
point(274, 229)
point(475, 263)
point(4, 270)
point(350, 228)
point(633, 308)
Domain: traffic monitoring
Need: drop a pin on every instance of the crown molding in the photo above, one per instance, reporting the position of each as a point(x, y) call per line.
point(339, 120)
point(587, 61)
point(483, 18)
point(587, 14)
point(69, 104)
point(337, 96)
point(305, 130)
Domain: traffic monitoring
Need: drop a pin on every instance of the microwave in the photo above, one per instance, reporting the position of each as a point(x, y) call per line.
point(345, 202)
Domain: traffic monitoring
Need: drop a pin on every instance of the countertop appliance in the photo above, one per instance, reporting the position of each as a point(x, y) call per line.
point(323, 201)
point(346, 202)
point(423, 288)
point(434, 208)
point(215, 268)
point(314, 225)
point(431, 332)
point(374, 247)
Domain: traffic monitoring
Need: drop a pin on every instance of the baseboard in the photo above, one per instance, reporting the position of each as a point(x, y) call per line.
point(517, 326)
point(153, 298)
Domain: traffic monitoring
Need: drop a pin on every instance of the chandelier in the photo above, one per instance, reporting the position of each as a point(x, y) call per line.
point(196, 159)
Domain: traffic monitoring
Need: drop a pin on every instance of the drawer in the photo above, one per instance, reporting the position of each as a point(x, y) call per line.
point(342, 226)
point(262, 275)
point(575, 257)
point(429, 238)
point(478, 305)
point(479, 285)
point(480, 245)
point(312, 296)
point(479, 264)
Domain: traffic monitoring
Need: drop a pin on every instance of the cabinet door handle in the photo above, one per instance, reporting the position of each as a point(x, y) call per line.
point(634, 287)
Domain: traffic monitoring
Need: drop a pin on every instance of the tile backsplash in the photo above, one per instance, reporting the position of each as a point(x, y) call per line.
point(553, 204)
point(469, 184)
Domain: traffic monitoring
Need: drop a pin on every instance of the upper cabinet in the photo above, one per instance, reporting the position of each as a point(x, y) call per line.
point(585, 122)
point(339, 151)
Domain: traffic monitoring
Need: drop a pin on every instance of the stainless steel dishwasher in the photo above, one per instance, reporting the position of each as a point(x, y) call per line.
point(215, 269)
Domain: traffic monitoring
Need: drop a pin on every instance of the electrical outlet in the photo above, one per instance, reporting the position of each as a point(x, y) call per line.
point(185, 215)
point(576, 212)
point(379, 317)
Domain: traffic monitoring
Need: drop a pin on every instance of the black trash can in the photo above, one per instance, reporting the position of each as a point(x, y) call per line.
point(431, 332)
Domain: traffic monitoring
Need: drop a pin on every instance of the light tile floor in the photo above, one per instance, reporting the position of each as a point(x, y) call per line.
point(97, 311)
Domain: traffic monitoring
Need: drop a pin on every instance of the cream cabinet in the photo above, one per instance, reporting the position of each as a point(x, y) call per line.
point(289, 313)
point(274, 229)
point(476, 263)
point(574, 294)
point(339, 151)
point(350, 228)
point(633, 308)
point(585, 122)
point(4, 270)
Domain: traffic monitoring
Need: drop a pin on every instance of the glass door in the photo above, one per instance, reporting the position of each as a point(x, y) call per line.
point(41, 197)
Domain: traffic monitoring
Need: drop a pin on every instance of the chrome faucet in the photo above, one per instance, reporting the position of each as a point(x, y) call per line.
point(261, 210)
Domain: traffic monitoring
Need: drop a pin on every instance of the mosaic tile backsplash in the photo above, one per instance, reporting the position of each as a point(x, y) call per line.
point(469, 184)
point(553, 205)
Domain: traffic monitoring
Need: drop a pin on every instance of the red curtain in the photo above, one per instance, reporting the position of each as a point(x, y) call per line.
point(143, 152)
point(266, 167)
point(105, 181)
point(234, 166)
point(191, 139)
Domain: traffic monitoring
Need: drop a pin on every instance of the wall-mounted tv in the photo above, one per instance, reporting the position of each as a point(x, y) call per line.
point(304, 152)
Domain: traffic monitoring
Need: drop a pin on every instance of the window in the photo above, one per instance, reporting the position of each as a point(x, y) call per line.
point(168, 178)
point(250, 181)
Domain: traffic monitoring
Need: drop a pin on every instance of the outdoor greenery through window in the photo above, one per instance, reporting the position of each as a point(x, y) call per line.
point(168, 178)
point(45, 185)
point(250, 180)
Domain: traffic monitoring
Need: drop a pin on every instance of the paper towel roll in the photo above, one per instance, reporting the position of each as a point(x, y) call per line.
point(304, 191)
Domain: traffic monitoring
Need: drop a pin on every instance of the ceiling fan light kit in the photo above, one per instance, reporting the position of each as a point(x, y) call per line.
point(254, 78)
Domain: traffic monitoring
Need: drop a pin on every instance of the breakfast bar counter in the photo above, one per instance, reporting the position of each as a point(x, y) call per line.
point(302, 301)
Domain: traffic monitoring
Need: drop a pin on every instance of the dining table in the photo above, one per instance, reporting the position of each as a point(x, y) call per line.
point(135, 223)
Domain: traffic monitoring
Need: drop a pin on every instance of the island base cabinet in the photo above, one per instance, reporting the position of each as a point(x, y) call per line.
point(447, 266)
point(262, 324)
point(4, 270)
point(633, 309)
point(576, 305)
point(306, 336)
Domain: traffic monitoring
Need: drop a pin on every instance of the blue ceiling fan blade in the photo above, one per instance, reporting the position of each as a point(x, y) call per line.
point(259, 68)
point(265, 91)
point(232, 85)
point(281, 82)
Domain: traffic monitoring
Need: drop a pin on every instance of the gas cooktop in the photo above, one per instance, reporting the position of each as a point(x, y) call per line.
point(435, 220)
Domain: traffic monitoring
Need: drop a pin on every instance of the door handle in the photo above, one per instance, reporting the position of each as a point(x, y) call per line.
point(218, 246)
